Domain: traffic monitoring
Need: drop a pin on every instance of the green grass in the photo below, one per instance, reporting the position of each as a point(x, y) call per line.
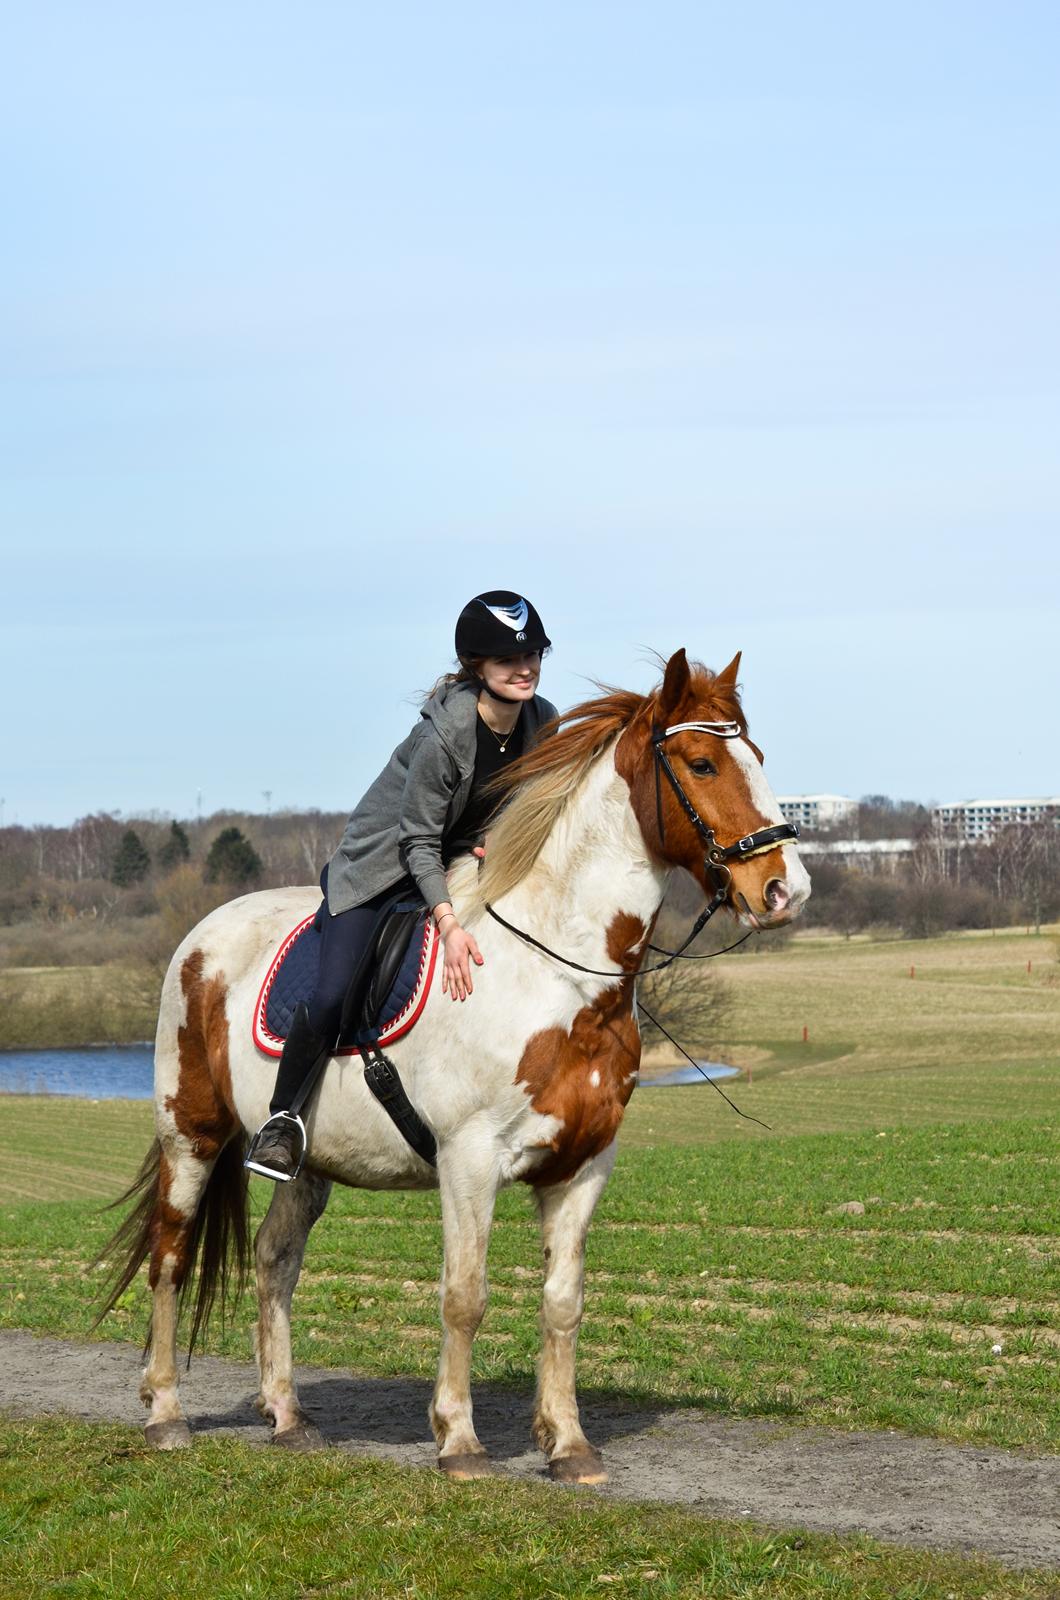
point(720, 1272)
point(89, 1512)
point(721, 1278)
point(721, 1275)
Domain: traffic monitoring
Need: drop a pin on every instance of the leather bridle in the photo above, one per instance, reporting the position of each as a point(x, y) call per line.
point(716, 856)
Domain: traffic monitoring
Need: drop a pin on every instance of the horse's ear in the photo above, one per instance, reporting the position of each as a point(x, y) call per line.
point(726, 678)
point(674, 685)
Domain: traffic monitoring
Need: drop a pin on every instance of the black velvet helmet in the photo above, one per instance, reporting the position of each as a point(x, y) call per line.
point(499, 623)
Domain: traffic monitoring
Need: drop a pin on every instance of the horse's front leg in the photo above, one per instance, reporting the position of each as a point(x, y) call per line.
point(279, 1250)
point(566, 1210)
point(468, 1181)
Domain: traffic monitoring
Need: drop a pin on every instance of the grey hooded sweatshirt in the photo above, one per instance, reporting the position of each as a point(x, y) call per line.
point(397, 827)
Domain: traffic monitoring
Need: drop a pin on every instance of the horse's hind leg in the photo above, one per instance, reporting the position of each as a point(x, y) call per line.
point(182, 1180)
point(279, 1250)
point(566, 1211)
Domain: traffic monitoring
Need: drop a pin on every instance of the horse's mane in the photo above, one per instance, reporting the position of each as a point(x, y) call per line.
point(542, 782)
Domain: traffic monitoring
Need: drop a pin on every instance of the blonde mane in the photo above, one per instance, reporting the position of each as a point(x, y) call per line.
point(543, 781)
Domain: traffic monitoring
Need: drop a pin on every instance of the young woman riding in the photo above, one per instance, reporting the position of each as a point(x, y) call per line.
point(429, 804)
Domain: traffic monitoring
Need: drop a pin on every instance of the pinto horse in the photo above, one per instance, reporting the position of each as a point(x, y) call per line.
point(528, 1080)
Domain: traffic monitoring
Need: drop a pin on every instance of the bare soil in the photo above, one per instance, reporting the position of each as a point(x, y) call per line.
point(907, 1490)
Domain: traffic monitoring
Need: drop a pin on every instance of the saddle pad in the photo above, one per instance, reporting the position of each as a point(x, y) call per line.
point(292, 974)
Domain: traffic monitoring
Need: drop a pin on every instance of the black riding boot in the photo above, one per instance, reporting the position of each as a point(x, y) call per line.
point(277, 1150)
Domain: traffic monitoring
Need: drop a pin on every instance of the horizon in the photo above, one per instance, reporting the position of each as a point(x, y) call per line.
point(158, 817)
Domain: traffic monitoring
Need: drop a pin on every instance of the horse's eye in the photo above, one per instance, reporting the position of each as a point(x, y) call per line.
point(703, 768)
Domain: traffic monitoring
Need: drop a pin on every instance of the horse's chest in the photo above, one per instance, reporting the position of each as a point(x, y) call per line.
point(582, 1077)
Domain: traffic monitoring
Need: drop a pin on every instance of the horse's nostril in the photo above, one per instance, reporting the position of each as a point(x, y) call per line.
point(777, 893)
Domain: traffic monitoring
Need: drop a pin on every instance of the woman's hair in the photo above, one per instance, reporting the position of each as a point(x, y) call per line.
point(467, 673)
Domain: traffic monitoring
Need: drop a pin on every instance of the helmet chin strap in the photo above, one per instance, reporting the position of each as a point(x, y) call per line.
point(505, 699)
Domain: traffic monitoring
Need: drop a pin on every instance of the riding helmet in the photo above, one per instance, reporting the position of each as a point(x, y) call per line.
point(499, 623)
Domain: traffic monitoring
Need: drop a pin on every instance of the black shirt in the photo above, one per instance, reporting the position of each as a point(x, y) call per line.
point(481, 807)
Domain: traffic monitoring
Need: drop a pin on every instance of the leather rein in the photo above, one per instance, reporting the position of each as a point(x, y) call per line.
point(716, 856)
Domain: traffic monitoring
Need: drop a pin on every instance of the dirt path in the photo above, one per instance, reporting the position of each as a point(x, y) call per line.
point(911, 1491)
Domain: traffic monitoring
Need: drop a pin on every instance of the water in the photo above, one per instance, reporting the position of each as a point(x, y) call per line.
point(680, 1075)
point(103, 1072)
point(126, 1072)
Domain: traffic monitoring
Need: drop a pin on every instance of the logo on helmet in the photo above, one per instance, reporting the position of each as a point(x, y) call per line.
point(514, 617)
point(521, 636)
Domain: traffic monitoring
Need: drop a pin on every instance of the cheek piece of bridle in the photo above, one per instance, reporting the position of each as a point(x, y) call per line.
point(716, 856)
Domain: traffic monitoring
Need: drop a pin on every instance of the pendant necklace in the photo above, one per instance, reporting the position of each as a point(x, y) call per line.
point(502, 739)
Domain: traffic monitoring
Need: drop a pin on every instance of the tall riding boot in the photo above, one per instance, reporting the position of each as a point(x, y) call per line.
point(278, 1148)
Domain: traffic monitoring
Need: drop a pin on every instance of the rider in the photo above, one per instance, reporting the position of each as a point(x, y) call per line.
point(430, 802)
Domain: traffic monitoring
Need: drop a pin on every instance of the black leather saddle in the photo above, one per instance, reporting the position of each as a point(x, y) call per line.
point(368, 999)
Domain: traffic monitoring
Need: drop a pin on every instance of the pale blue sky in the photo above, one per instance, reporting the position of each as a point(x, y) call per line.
point(715, 326)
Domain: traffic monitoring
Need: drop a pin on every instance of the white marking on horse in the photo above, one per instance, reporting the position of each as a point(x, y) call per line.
point(795, 875)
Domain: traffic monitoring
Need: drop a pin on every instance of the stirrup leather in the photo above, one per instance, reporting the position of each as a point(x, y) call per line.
point(281, 1117)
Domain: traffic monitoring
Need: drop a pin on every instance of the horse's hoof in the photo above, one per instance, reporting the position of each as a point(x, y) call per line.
point(172, 1435)
point(587, 1466)
point(302, 1436)
point(469, 1465)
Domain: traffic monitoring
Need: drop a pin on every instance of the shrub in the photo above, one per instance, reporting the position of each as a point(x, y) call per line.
point(131, 862)
point(232, 859)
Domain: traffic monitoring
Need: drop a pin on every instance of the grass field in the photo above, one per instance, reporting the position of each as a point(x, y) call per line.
point(89, 1512)
point(721, 1271)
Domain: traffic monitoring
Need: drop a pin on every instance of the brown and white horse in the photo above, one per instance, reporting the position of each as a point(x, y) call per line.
point(527, 1080)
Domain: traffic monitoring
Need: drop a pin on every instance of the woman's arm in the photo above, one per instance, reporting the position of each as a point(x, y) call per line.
point(430, 785)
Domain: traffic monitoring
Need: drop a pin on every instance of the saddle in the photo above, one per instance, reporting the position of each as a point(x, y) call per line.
point(387, 990)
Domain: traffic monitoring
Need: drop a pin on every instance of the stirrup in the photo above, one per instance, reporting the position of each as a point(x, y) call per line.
point(280, 1117)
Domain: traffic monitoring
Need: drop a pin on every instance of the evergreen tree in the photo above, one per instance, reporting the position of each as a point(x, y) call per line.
point(232, 859)
point(131, 861)
point(176, 848)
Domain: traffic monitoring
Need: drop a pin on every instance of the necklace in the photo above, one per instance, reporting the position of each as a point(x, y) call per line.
point(502, 738)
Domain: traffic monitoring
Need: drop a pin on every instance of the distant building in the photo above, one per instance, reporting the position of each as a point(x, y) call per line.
point(978, 819)
point(858, 848)
point(879, 857)
point(817, 810)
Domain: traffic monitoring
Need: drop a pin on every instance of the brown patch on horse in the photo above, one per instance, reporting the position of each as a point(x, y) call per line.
point(625, 940)
point(202, 1108)
point(584, 1077)
point(170, 1232)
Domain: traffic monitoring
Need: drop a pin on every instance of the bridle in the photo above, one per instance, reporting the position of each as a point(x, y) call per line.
point(716, 856)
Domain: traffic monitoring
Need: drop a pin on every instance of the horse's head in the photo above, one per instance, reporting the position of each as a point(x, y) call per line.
point(701, 797)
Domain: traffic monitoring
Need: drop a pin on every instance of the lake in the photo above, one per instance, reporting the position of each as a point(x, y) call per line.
point(126, 1072)
point(104, 1072)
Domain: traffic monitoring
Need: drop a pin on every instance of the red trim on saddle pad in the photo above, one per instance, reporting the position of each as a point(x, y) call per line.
point(272, 1045)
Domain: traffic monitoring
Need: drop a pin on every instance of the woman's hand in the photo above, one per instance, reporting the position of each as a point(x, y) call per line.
point(460, 951)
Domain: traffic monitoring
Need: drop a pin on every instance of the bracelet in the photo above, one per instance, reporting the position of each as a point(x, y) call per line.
point(442, 918)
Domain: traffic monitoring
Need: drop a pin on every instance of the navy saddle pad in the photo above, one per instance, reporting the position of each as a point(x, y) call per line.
point(294, 971)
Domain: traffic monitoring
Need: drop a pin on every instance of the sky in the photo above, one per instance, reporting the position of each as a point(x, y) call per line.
point(719, 327)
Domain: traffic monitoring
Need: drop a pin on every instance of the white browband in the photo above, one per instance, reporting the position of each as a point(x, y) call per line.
point(724, 730)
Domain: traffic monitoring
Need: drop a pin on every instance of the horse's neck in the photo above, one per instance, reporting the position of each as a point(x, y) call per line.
point(593, 867)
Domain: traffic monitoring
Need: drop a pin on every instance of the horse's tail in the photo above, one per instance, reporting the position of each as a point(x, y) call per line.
point(216, 1253)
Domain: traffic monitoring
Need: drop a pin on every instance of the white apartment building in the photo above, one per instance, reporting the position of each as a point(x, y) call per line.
point(817, 810)
point(978, 819)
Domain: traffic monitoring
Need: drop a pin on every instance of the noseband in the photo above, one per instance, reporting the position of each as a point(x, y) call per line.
point(716, 857)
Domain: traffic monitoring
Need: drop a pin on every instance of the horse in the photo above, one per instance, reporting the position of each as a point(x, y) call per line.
point(526, 1081)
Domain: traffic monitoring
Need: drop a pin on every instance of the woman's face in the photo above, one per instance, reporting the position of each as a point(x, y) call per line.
point(514, 677)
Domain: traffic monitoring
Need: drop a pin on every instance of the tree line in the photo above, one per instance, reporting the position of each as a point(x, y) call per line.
point(107, 871)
